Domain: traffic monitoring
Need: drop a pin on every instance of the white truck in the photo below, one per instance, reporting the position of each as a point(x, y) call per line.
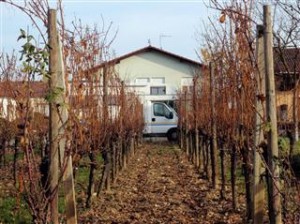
point(160, 119)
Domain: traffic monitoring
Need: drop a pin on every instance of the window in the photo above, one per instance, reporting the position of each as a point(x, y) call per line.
point(158, 90)
point(161, 110)
point(283, 112)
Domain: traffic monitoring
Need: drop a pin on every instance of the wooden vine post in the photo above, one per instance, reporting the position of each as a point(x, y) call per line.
point(274, 175)
point(54, 116)
point(258, 188)
point(107, 149)
point(195, 105)
point(60, 159)
point(122, 128)
point(181, 123)
point(186, 128)
point(214, 156)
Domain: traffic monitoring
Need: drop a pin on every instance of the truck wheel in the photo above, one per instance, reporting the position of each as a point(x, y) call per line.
point(172, 135)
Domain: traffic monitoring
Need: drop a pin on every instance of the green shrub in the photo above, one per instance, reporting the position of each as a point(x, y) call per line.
point(295, 159)
point(284, 147)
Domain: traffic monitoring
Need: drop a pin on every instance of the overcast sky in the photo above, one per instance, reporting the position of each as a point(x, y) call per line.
point(137, 22)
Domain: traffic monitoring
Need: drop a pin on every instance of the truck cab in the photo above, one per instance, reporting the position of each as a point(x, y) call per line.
point(160, 120)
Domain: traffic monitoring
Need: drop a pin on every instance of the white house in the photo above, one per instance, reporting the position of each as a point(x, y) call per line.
point(153, 71)
point(15, 94)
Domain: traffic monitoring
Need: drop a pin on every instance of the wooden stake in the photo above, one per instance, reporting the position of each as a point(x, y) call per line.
point(214, 156)
point(195, 105)
point(65, 157)
point(186, 131)
point(58, 121)
point(54, 118)
point(274, 179)
point(258, 188)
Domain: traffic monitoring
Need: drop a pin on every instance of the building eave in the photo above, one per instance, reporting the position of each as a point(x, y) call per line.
point(148, 49)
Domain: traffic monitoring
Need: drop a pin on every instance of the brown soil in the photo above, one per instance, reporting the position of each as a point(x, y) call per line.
point(161, 186)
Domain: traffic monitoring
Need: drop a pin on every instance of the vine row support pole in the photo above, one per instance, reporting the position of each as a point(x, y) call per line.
point(54, 117)
point(195, 104)
point(274, 178)
point(60, 159)
point(214, 157)
point(258, 187)
point(186, 129)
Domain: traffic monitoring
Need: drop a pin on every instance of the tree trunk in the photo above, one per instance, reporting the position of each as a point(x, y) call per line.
point(191, 144)
point(233, 177)
point(208, 159)
point(114, 162)
point(119, 155)
point(223, 178)
point(197, 149)
point(16, 153)
point(201, 153)
point(108, 166)
point(90, 189)
point(124, 153)
point(214, 145)
point(105, 176)
point(248, 180)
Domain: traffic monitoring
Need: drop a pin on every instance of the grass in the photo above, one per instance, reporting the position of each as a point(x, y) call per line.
point(82, 175)
point(83, 171)
point(10, 213)
point(9, 156)
point(18, 212)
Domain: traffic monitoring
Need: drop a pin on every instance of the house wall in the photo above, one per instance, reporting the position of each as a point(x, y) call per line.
point(40, 105)
point(8, 107)
point(155, 65)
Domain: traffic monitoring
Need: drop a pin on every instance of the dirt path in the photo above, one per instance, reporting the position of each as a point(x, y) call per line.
point(160, 186)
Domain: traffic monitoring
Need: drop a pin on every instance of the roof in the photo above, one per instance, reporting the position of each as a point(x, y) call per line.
point(286, 60)
point(150, 49)
point(13, 89)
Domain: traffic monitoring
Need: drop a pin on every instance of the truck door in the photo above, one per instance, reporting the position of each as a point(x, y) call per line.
point(162, 118)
